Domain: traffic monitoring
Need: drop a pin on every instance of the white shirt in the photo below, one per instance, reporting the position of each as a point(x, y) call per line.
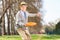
point(20, 19)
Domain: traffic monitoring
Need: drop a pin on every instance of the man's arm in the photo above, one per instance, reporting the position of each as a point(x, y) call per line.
point(18, 19)
point(17, 15)
point(32, 15)
point(35, 14)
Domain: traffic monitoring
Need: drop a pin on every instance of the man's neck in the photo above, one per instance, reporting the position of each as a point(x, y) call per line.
point(24, 10)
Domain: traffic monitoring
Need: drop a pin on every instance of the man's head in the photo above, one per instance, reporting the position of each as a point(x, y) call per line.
point(23, 6)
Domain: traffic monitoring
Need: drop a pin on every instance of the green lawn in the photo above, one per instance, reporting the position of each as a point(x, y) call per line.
point(34, 37)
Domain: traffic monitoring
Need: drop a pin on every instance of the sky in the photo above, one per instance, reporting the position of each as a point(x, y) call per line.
point(52, 8)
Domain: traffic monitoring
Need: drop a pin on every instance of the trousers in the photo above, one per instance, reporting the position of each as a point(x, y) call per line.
point(25, 35)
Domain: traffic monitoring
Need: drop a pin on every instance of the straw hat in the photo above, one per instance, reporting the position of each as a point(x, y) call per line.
point(23, 3)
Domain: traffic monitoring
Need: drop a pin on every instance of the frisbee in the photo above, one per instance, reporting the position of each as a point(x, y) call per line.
point(30, 24)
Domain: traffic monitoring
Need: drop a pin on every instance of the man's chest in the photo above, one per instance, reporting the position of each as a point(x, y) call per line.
point(23, 14)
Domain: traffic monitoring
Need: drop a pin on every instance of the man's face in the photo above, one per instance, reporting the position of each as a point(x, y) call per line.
point(23, 7)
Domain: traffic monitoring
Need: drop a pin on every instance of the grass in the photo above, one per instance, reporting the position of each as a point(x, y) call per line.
point(34, 37)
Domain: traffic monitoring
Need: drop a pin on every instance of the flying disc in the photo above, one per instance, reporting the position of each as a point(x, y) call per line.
point(30, 24)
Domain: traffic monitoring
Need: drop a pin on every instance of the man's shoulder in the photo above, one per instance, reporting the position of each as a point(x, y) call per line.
point(19, 11)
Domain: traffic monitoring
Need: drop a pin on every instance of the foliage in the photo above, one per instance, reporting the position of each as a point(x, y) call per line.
point(57, 29)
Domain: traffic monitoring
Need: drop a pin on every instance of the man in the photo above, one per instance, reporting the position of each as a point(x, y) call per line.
point(21, 20)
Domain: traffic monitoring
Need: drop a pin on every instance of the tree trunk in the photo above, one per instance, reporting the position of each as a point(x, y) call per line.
point(3, 19)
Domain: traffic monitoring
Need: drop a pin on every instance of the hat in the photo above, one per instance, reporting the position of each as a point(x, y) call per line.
point(23, 3)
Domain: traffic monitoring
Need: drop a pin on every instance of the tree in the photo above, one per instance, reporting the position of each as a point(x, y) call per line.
point(10, 8)
point(57, 29)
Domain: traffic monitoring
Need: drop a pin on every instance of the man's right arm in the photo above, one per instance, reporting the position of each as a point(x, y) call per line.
point(17, 17)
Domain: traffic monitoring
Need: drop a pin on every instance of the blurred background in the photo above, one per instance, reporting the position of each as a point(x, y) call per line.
point(47, 23)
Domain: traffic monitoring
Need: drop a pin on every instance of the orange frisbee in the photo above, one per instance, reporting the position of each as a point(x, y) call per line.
point(29, 24)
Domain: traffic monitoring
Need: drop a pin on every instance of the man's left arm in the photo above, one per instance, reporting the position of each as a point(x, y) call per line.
point(33, 15)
